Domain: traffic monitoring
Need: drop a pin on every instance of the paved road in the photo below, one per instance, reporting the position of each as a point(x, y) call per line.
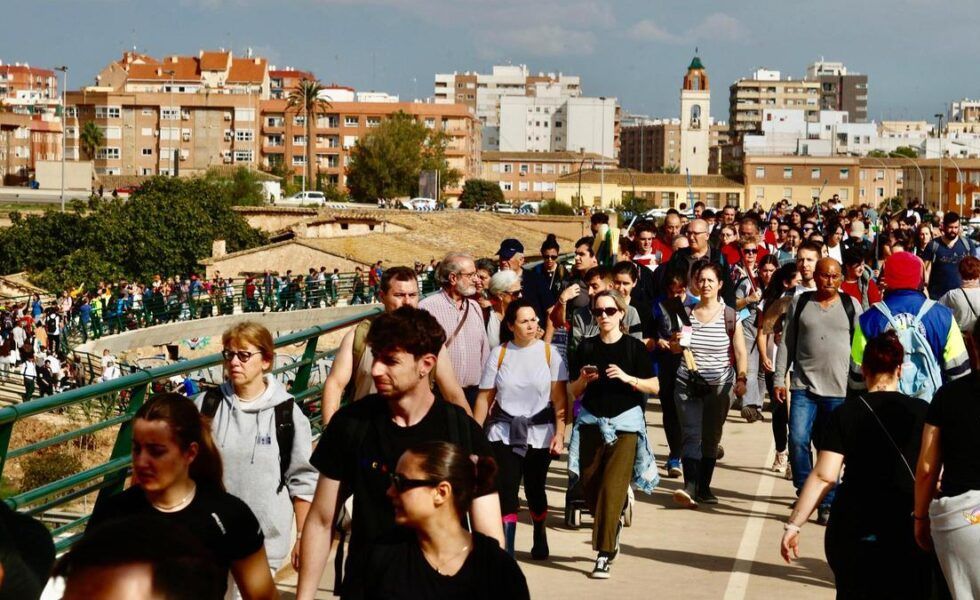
point(727, 552)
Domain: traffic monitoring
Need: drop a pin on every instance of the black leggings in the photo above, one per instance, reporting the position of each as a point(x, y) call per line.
point(511, 469)
point(780, 415)
point(668, 406)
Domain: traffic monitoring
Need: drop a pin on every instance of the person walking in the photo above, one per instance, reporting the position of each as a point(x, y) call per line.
point(461, 319)
point(748, 296)
point(965, 303)
point(609, 448)
point(264, 439)
point(713, 367)
point(504, 288)
point(869, 540)
point(946, 507)
point(816, 342)
point(942, 255)
point(432, 490)
point(524, 382)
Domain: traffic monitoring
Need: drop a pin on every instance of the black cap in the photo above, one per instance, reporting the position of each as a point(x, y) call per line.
point(510, 247)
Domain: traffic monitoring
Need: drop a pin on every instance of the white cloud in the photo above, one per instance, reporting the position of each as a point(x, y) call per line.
point(541, 40)
point(577, 13)
point(714, 27)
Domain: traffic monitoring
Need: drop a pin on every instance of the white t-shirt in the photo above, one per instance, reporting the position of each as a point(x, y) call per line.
point(523, 386)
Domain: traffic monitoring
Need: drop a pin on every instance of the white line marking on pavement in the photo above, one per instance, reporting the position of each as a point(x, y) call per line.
point(738, 582)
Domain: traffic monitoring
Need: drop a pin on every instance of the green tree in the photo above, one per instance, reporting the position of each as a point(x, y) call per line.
point(480, 191)
point(906, 151)
point(554, 207)
point(386, 163)
point(91, 137)
point(878, 154)
point(306, 99)
point(241, 187)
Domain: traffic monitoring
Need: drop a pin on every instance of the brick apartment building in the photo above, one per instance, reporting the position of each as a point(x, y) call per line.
point(655, 147)
point(30, 120)
point(532, 176)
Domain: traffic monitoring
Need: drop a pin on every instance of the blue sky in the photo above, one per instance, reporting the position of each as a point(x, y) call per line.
point(919, 54)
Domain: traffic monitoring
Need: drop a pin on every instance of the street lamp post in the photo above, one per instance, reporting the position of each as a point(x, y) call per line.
point(922, 180)
point(602, 169)
point(580, 165)
point(959, 177)
point(64, 127)
point(939, 134)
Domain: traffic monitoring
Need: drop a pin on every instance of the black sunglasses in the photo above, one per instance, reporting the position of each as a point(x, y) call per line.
point(243, 355)
point(402, 484)
point(550, 257)
point(750, 250)
point(608, 311)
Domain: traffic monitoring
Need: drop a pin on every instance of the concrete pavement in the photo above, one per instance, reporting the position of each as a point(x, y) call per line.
point(729, 551)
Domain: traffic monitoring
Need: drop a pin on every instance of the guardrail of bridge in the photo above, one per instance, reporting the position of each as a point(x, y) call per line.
point(123, 397)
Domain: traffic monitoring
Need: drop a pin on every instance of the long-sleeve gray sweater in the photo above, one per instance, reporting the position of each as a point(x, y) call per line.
point(823, 347)
point(245, 433)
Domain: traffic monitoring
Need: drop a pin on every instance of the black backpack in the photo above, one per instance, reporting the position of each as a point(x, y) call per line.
point(801, 303)
point(285, 431)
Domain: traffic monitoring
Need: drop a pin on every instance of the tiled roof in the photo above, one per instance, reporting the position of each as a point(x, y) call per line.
point(247, 70)
point(185, 69)
point(214, 61)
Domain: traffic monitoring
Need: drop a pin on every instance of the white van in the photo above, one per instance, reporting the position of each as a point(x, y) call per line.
point(303, 199)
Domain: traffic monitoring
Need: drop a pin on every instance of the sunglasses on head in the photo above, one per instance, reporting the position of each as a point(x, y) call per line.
point(608, 311)
point(402, 484)
point(243, 355)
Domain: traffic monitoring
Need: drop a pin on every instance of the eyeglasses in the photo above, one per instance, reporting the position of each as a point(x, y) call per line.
point(690, 233)
point(750, 250)
point(608, 311)
point(549, 257)
point(784, 230)
point(469, 275)
point(402, 484)
point(243, 355)
point(514, 294)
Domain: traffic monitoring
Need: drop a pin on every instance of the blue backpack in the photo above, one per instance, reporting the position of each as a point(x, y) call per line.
point(921, 374)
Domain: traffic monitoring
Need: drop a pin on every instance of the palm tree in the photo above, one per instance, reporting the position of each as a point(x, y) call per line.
point(306, 99)
point(91, 137)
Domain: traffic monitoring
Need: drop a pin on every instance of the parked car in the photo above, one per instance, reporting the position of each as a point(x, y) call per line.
point(421, 204)
point(504, 207)
point(482, 207)
point(529, 208)
point(310, 198)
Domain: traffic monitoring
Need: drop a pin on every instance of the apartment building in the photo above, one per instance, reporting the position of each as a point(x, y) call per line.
point(181, 114)
point(30, 120)
point(283, 134)
point(955, 180)
point(549, 121)
point(800, 179)
point(840, 90)
point(765, 89)
point(881, 179)
point(524, 176)
point(654, 146)
point(285, 80)
point(615, 187)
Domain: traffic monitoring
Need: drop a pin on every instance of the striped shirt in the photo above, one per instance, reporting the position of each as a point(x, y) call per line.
point(710, 346)
point(469, 350)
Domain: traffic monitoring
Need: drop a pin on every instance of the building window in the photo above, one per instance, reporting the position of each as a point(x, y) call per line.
point(880, 193)
point(508, 168)
point(538, 168)
point(275, 121)
point(814, 173)
point(350, 141)
point(147, 112)
point(524, 169)
point(760, 172)
point(760, 194)
point(243, 156)
point(506, 186)
point(244, 135)
point(299, 160)
point(299, 121)
point(522, 186)
point(430, 122)
point(244, 114)
point(373, 121)
point(107, 112)
point(351, 121)
point(845, 194)
point(788, 193)
point(299, 140)
point(879, 174)
point(787, 172)
point(147, 151)
point(814, 192)
point(845, 173)
point(71, 112)
point(169, 113)
point(107, 154)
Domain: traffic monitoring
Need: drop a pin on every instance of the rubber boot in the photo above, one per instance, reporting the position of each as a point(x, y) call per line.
point(704, 481)
point(540, 550)
point(510, 532)
point(687, 496)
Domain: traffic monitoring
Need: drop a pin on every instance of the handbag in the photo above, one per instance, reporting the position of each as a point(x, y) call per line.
point(697, 385)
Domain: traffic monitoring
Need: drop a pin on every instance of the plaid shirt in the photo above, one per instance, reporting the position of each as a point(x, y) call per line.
point(470, 349)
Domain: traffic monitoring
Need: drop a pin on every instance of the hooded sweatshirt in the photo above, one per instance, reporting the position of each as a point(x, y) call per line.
point(245, 433)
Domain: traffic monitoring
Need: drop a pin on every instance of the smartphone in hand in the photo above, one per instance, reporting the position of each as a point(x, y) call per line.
point(591, 369)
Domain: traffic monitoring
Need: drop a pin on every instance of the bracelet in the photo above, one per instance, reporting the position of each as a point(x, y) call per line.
point(791, 527)
point(917, 518)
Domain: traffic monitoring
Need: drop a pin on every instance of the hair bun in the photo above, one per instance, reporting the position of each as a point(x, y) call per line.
point(551, 237)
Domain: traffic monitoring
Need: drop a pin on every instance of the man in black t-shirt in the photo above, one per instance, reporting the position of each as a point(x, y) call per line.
point(362, 444)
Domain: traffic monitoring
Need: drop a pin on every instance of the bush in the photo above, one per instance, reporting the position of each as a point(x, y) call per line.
point(48, 465)
point(554, 207)
point(480, 191)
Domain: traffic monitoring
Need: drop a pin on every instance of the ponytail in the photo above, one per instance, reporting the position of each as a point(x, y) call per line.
point(447, 462)
point(189, 426)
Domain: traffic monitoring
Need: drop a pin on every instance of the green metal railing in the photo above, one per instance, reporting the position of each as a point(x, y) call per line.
point(121, 399)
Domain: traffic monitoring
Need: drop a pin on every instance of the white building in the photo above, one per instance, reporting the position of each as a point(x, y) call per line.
point(548, 121)
point(695, 120)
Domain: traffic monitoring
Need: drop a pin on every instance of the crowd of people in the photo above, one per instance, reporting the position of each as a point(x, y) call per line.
point(856, 331)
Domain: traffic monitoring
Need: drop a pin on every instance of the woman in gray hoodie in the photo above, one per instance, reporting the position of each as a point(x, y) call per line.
point(273, 476)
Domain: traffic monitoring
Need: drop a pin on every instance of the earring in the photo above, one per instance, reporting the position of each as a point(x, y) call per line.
point(421, 375)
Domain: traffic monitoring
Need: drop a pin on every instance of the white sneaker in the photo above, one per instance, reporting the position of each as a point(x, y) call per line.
point(601, 569)
point(781, 463)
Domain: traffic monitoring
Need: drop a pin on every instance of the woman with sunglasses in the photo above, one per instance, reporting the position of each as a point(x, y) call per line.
point(609, 447)
point(177, 479)
point(748, 295)
point(246, 421)
point(433, 557)
point(523, 387)
point(504, 288)
point(714, 367)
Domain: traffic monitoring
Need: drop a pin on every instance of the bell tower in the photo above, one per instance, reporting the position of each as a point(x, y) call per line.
point(695, 120)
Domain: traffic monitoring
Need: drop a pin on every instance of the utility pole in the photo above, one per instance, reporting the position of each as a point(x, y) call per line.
point(939, 134)
point(64, 128)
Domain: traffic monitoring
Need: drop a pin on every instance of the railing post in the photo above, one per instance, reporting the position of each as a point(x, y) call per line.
point(302, 379)
point(5, 432)
point(124, 443)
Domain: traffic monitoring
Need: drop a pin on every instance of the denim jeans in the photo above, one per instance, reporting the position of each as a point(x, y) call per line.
point(808, 412)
